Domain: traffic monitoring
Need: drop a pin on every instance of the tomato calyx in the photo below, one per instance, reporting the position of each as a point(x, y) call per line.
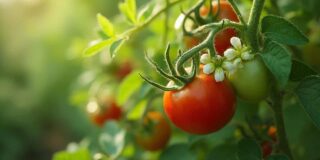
point(177, 78)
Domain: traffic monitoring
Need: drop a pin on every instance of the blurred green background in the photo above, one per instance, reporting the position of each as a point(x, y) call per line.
point(37, 70)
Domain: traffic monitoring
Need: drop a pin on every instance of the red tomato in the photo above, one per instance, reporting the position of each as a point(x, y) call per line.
point(272, 132)
point(266, 148)
point(191, 41)
point(222, 39)
point(158, 134)
point(202, 106)
point(123, 70)
point(109, 111)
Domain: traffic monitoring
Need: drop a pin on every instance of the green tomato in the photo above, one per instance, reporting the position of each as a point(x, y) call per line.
point(252, 81)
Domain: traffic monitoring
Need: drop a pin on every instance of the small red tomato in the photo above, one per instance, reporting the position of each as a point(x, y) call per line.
point(225, 11)
point(202, 106)
point(123, 70)
point(191, 41)
point(266, 148)
point(272, 132)
point(100, 114)
point(156, 133)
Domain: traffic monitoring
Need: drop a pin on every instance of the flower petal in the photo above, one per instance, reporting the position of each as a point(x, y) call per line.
point(208, 68)
point(205, 59)
point(236, 42)
point(230, 53)
point(219, 75)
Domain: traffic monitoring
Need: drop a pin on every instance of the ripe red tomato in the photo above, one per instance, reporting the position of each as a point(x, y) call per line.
point(202, 106)
point(100, 114)
point(123, 70)
point(222, 39)
point(266, 148)
point(156, 133)
point(252, 81)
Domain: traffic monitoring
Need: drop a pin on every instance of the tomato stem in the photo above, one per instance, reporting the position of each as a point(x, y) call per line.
point(253, 24)
point(236, 9)
point(281, 132)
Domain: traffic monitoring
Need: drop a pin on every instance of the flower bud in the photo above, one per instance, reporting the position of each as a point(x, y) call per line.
point(246, 56)
point(205, 59)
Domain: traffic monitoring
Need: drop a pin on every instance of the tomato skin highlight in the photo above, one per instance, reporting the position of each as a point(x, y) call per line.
point(225, 11)
point(111, 112)
point(251, 82)
point(159, 136)
point(202, 106)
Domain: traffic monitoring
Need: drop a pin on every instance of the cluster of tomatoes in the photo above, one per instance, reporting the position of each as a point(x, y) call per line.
point(204, 105)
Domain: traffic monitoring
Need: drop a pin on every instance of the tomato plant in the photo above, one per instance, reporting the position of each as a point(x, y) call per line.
point(252, 82)
point(229, 53)
point(155, 132)
point(201, 107)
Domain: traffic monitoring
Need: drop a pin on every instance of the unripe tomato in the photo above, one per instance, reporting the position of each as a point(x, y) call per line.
point(202, 106)
point(252, 81)
point(108, 111)
point(272, 132)
point(222, 39)
point(156, 134)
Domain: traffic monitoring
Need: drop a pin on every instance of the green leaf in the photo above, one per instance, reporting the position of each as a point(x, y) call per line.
point(278, 157)
point(115, 46)
point(105, 25)
point(97, 47)
point(308, 92)
point(282, 31)
point(300, 71)
point(278, 60)
point(80, 154)
point(112, 139)
point(223, 152)
point(137, 111)
point(176, 152)
point(128, 87)
point(248, 149)
point(145, 12)
point(128, 8)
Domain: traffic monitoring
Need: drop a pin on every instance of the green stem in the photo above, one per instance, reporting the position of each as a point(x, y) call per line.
point(132, 31)
point(281, 132)
point(253, 24)
point(166, 24)
point(236, 9)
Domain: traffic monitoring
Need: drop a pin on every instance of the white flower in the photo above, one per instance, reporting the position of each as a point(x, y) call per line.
point(219, 74)
point(228, 66)
point(247, 56)
point(205, 59)
point(238, 63)
point(230, 53)
point(236, 43)
point(208, 68)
